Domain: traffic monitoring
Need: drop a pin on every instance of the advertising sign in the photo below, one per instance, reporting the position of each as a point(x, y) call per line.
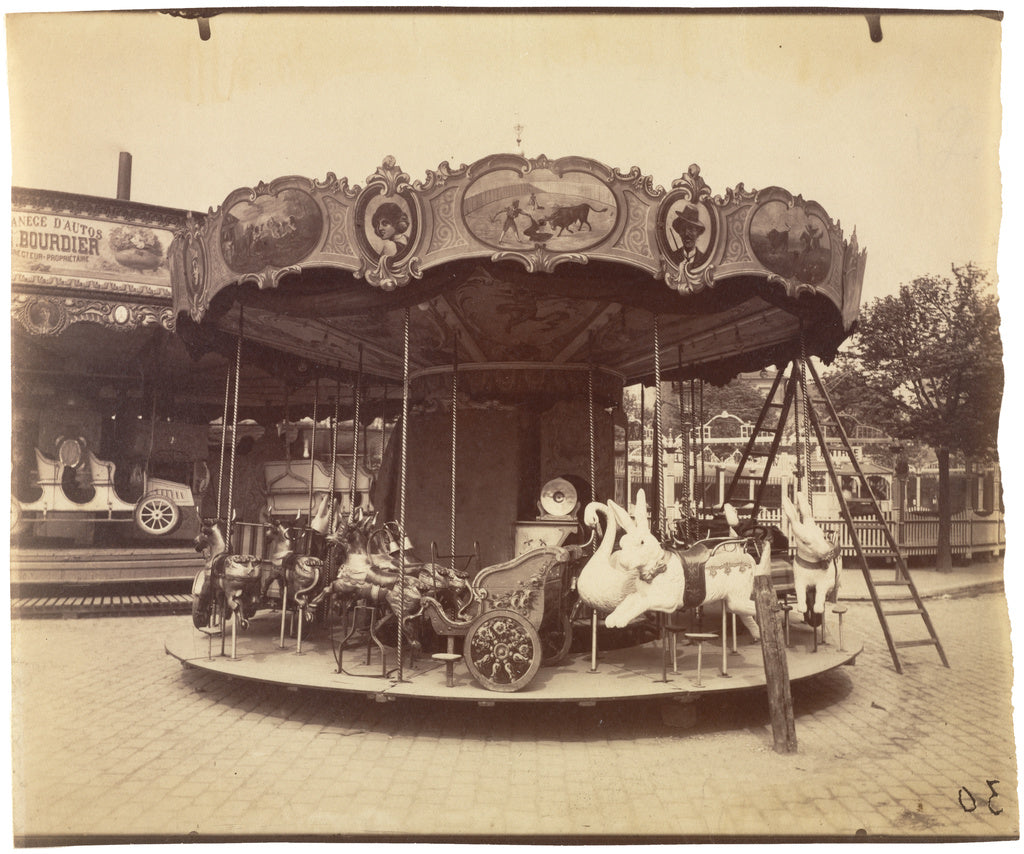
point(72, 246)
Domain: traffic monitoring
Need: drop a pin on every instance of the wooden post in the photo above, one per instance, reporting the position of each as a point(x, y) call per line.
point(776, 670)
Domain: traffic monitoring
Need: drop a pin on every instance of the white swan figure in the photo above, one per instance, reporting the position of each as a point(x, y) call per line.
point(603, 583)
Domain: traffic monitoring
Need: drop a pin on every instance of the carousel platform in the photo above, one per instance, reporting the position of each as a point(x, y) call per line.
point(635, 672)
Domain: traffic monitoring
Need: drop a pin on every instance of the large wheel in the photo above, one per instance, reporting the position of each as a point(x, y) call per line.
point(157, 515)
point(15, 514)
point(502, 650)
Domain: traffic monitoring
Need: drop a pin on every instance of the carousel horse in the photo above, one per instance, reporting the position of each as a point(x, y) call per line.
point(816, 565)
point(445, 584)
point(369, 572)
point(297, 574)
point(360, 575)
point(238, 576)
point(668, 579)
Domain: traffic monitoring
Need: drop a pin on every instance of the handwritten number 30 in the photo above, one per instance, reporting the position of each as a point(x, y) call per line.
point(973, 803)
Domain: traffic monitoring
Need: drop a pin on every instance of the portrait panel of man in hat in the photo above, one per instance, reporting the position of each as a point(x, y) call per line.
point(688, 236)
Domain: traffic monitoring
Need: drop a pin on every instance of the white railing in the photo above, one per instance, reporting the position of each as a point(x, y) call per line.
point(971, 534)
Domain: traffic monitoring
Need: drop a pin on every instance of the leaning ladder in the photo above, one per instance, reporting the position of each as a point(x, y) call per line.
point(907, 602)
point(885, 607)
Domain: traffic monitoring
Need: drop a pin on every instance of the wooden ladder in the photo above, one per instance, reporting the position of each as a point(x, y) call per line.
point(884, 606)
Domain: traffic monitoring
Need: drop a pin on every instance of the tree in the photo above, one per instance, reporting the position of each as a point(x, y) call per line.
point(927, 366)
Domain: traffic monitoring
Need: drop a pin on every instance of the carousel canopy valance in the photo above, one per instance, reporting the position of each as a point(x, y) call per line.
point(518, 262)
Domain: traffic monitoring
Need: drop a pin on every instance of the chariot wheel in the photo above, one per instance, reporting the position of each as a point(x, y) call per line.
point(15, 514)
point(157, 515)
point(502, 650)
point(556, 640)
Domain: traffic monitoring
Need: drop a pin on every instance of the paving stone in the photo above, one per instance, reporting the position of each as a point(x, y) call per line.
point(189, 751)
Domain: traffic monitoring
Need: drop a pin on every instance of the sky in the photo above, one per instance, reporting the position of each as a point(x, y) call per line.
point(898, 139)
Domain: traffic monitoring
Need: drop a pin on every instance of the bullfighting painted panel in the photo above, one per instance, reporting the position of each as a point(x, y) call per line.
point(567, 212)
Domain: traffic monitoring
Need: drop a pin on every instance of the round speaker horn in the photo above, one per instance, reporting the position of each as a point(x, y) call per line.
point(558, 497)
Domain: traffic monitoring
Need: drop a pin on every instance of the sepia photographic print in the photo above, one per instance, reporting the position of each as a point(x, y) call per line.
point(480, 425)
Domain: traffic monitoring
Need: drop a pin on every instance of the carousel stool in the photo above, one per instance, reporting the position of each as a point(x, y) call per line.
point(673, 629)
point(449, 659)
point(840, 610)
point(785, 607)
point(700, 637)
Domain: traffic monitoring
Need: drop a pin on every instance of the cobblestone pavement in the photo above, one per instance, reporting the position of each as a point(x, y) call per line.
point(112, 738)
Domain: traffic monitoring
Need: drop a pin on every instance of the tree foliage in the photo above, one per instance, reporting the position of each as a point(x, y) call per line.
point(926, 363)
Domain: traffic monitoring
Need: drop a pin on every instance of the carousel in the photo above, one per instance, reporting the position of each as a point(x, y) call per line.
point(489, 317)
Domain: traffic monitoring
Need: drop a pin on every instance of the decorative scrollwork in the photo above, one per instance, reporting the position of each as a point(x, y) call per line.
point(446, 233)
point(45, 316)
point(682, 279)
point(389, 177)
point(634, 236)
point(338, 217)
point(736, 248)
point(270, 278)
point(52, 201)
point(261, 189)
point(386, 277)
point(540, 260)
point(331, 184)
point(441, 177)
point(520, 598)
point(640, 182)
point(736, 196)
point(694, 183)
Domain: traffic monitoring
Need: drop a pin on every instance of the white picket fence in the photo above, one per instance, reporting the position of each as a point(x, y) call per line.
point(972, 535)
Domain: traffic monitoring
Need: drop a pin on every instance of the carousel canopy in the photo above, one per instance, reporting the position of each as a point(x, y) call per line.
point(516, 263)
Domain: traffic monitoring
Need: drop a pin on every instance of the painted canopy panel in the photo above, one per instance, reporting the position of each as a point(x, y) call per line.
point(518, 260)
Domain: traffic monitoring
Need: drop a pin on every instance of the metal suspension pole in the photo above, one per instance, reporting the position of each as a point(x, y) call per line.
point(684, 438)
point(334, 452)
point(591, 429)
point(643, 430)
point(658, 472)
point(312, 447)
point(701, 448)
point(801, 471)
point(805, 415)
point(593, 495)
point(234, 429)
point(356, 398)
point(691, 467)
point(223, 439)
point(401, 491)
point(454, 432)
